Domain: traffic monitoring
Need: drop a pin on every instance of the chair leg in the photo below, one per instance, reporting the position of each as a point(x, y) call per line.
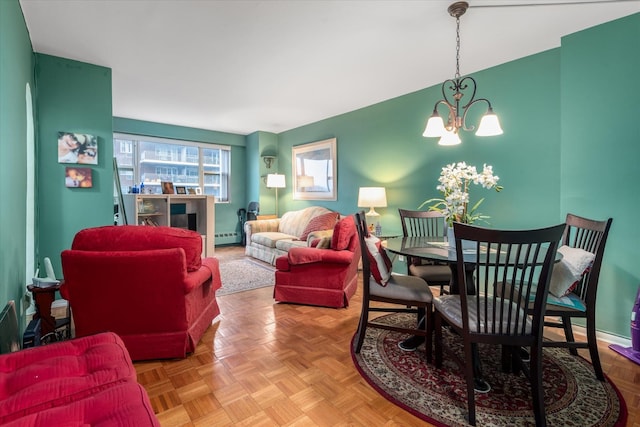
point(568, 334)
point(428, 316)
point(593, 347)
point(362, 327)
point(469, 376)
point(438, 338)
point(537, 391)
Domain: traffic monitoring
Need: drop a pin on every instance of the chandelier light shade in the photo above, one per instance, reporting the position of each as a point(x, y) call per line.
point(453, 92)
point(372, 197)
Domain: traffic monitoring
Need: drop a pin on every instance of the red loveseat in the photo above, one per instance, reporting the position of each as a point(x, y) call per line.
point(147, 284)
point(85, 381)
point(324, 277)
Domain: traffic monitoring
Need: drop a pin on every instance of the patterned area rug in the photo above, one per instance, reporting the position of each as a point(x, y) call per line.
point(573, 395)
point(243, 275)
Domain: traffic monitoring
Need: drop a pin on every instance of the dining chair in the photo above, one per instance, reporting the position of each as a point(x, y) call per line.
point(591, 236)
point(489, 310)
point(425, 224)
point(401, 293)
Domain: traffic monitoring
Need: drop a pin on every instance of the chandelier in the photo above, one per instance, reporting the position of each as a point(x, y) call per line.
point(453, 90)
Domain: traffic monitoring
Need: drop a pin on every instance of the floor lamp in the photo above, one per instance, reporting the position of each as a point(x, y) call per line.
point(275, 180)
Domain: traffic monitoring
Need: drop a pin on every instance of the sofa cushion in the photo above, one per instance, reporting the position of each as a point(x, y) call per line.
point(343, 232)
point(294, 222)
point(137, 238)
point(286, 244)
point(321, 222)
point(61, 373)
point(269, 239)
point(123, 404)
point(324, 243)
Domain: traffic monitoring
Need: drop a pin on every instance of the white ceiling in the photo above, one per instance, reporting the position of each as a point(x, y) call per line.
point(242, 66)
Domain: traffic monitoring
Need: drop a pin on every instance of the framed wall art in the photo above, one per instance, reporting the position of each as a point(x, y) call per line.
point(77, 148)
point(78, 177)
point(314, 170)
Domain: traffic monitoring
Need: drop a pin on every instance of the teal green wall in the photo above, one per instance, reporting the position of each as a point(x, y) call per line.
point(72, 96)
point(16, 71)
point(382, 145)
point(226, 213)
point(600, 153)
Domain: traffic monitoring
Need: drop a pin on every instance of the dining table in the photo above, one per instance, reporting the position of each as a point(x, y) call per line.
point(434, 248)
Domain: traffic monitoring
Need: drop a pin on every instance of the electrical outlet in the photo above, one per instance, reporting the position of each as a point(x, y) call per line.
point(401, 258)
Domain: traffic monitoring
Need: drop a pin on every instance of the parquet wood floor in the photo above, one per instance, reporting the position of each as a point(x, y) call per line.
point(268, 364)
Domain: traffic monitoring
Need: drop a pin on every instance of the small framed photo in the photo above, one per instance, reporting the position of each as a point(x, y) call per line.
point(167, 187)
point(191, 190)
point(181, 190)
point(78, 177)
point(198, 190)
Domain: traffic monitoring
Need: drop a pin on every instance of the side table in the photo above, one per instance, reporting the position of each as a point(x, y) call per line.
point(51, 329)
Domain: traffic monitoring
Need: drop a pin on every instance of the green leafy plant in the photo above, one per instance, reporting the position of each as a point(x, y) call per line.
point(454, 182)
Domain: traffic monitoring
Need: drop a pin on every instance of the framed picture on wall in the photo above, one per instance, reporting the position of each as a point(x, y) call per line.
point(78, 177)
point(314, 170)
point(181, 190)
point(77, 148)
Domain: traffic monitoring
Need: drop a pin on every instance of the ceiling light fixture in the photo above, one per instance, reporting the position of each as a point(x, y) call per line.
point(449, 134)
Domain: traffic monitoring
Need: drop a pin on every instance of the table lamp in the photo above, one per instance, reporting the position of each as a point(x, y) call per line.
point(275, 180)
point(372, 197)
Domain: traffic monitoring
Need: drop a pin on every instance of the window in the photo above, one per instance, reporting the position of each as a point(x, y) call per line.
point(149, 160)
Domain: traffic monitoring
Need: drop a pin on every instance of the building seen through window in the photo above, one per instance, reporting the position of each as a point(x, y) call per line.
point(151, 161)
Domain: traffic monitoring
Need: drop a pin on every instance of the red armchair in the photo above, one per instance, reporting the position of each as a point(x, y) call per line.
point(149, 285)
point(324, 277)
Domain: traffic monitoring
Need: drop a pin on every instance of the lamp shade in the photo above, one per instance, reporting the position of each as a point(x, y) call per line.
point(275, 180)
point(372, 197)
point(449, 138)
point(435, 126)
point(489, 125)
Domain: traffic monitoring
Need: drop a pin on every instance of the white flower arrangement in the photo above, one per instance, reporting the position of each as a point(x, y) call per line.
point(454, 180)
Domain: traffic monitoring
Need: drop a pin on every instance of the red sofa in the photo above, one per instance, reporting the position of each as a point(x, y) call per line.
point(147, 284)
point(324, 277)
point(85, 381)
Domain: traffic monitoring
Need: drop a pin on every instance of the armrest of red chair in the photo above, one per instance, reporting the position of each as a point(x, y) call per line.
point(304, 256)
point(210, 270)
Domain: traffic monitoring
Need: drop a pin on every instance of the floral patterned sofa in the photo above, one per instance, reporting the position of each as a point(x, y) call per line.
point(267, 239)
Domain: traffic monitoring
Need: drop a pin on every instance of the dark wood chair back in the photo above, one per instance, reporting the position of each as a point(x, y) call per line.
point(422, 223)
point(510, 267)
point(426, 224)
point(591, 236)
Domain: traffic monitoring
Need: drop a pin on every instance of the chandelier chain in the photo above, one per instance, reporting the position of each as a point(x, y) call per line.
point(457, 47)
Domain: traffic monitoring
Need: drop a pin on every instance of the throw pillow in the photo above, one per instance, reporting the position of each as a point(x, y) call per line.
point(342, 233)
point(321, 222)
point(568, 272)
point(324, 243)
point(379, 261)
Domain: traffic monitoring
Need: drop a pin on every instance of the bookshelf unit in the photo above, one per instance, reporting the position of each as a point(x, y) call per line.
point(194, 212)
